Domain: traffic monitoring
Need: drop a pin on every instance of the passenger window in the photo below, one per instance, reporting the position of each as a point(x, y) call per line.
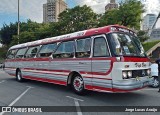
point(20, 53)
point(46, 50)
point(65, 50)
point(83, 48)
point(32, 51)
point(100, 47)
point(11, 54)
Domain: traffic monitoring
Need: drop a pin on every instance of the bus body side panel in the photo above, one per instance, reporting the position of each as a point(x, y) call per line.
point(101, 72)
point(52, 71)
point(10, 67)
point(81, 66)
point(42, 70)
point(57, 70)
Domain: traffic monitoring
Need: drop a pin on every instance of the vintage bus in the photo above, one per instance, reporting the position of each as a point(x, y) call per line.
point(105, 59)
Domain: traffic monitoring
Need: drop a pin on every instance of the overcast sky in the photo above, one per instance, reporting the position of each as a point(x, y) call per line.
point(33, 9)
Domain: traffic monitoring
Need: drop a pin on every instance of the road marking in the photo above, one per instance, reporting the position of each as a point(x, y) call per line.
point(76, 104)
point(74, 98)
point(78, 107)
point(18, 98)
point(2, 81)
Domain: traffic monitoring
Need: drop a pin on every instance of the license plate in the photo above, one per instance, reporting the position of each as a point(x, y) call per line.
point(146, 83)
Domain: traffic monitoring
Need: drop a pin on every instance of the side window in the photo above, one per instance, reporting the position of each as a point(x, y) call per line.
point(100, 47)
point(32, 51)
point(46, 50)
point(65, 50)
point(20, 53)
point(11, 54)
point(83, 48)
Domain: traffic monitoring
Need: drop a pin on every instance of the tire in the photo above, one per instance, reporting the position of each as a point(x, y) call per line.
point(19, 76)
point(155, 83)
point(78, 84)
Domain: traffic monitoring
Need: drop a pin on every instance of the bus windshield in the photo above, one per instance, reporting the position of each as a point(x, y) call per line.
point(126, 45)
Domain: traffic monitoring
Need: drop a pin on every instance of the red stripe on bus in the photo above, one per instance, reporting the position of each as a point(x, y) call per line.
point(97, 78)
point(67, 71)
point(46, 80)
point(49, 73)
point(135, 59)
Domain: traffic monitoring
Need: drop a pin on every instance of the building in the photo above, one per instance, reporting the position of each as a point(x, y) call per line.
point(155, 34)
point(148, 21)
point(111, 5)
point(52, 9)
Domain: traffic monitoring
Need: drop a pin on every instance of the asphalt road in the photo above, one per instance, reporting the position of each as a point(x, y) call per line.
point(33, 93)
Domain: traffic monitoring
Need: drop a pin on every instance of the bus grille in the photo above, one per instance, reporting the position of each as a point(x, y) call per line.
point(139, 73)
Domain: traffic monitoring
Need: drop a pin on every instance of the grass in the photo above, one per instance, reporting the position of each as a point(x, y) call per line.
point(149, 45)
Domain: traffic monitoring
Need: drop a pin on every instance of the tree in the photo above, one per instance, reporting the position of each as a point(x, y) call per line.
point(142, 35)
point(128, 14)
point(6, 33)
point(29, 31)
point(109, 18)
point(77, 19)
point(3, 51)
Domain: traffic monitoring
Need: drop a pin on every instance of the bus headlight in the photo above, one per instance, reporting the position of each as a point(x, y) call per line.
point(129, 73)
point(124, 74)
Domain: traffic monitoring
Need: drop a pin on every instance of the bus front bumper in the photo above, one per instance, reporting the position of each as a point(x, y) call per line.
point(129, 85)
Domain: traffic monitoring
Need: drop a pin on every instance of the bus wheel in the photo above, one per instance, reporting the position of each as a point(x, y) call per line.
point(78, 84)
point(155, 83)
point(19, 76)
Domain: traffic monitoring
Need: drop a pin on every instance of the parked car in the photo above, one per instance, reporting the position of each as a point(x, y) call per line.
point(154, 73)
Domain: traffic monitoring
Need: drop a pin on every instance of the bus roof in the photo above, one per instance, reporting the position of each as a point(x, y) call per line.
point(85, 33)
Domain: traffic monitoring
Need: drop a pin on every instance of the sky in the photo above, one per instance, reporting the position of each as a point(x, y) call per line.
point(33, 9)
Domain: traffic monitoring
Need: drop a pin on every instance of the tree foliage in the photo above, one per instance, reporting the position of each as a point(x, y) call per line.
point(128, 14)
point(7, 32)
point(3, 52)
point(142, 35)
point(77, 19)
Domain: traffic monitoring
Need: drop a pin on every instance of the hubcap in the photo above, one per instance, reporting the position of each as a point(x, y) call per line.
point(78, 83)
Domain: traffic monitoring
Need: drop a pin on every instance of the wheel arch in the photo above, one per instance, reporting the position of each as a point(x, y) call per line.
point(18, 69)
point(70, 77)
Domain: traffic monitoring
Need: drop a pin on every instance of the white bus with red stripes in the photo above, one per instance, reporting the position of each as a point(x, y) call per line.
point(105, 59)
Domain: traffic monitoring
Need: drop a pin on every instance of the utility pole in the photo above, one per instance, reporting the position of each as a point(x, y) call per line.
point(18, 23)
point(154, 24)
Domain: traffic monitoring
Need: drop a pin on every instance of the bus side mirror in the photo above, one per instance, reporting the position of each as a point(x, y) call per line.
point(119, 50)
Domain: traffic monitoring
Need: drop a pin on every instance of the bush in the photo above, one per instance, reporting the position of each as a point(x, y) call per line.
point(149, 45)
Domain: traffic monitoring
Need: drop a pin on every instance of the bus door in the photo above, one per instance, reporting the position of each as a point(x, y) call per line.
point(101, 63)
point(83, 60)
